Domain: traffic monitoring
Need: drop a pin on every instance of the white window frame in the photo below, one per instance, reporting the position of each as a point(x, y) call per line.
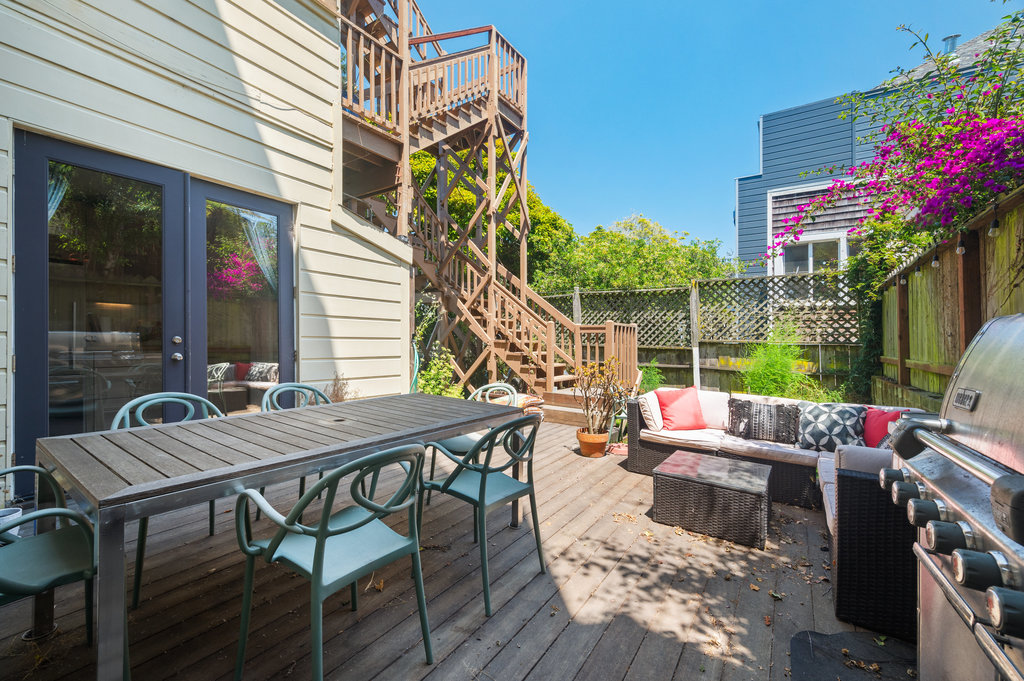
point(776, 265)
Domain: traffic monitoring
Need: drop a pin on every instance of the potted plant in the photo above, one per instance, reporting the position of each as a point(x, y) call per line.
point(601, 395)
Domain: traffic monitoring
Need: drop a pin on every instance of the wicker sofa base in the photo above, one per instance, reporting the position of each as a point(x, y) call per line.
point(875, 572)
point(789, 483)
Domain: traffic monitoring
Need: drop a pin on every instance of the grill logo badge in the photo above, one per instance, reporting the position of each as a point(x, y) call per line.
point(966, 399)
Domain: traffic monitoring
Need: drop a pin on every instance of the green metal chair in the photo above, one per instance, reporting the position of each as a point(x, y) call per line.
point(343, 545)
point(501, 393)
point(195, 407)
point(304, 395)
point(480, 480)
point(64, 555)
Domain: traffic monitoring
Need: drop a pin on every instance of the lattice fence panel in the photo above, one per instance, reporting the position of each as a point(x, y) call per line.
point(662, 316)
point(819, 308)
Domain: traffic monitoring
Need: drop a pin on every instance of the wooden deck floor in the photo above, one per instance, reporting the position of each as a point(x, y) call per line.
point(623, 598)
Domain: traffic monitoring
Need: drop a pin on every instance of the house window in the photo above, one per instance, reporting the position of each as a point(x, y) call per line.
point(811, 256)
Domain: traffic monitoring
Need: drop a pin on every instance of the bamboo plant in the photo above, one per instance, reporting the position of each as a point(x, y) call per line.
point(600, 393)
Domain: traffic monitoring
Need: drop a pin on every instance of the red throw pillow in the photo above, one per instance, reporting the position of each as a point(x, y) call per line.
point(680, 409)
point(241, 370)
point(876, 424)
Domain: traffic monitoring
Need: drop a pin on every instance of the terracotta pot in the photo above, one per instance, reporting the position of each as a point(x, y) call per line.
point(592, 445)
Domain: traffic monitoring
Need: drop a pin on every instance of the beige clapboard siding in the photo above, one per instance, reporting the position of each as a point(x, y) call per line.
point(6, 209)
point(239, 92)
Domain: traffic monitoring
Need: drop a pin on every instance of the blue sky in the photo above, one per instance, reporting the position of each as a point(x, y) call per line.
point(652, 107)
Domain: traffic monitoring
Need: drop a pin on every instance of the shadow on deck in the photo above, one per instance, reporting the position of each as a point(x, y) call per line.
point(624, 597)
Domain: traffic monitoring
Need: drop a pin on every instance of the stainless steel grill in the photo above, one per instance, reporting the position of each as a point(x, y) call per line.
point(961, 477)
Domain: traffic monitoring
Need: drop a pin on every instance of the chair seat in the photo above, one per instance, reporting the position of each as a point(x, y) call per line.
point(347, 556)
point(501, 488)
point(462, 443)
point(35, 564)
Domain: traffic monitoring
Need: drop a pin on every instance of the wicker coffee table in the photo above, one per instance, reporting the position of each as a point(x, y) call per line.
point(711, 495)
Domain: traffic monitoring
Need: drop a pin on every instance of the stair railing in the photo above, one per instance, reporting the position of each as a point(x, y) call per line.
point(371, 78)
point(611, 339)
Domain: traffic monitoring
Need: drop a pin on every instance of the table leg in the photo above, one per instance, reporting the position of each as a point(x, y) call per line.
point(112, 638)
point(42, 604)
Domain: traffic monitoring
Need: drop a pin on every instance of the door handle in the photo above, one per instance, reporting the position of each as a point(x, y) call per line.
point(177, 357)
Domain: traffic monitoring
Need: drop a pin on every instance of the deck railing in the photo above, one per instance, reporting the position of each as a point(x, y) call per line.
point(371, 77)
point(601, 342)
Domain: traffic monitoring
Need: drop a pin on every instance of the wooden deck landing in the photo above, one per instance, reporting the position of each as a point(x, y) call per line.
point(624, 597)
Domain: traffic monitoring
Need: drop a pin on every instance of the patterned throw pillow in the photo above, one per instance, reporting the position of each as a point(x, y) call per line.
point(262, 372)
point(216, 373)
point(824, 427)
point(774, 422)
point(739, 418)
point(885, 442)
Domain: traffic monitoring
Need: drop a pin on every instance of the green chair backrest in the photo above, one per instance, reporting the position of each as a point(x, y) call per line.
point(512, 442)
point(408, 459)
point(195, 407)
point(304, 395)
point(502, 393)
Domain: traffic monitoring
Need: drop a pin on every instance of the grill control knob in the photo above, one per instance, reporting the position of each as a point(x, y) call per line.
point(920, 511)
point(942, 537)
point(1006, 610)
point(902, 492)
point(887, 476)
point(977, 570)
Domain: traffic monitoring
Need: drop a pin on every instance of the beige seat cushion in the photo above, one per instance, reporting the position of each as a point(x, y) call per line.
point(863, 459)
point(708, 439)
point(769, 451)
point(826, 472)
point(828, 494)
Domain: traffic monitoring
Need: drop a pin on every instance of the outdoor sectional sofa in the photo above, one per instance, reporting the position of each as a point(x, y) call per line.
point(794, 477)
point(234, 385)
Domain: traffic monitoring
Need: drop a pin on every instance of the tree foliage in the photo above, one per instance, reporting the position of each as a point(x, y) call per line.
point(634, 253)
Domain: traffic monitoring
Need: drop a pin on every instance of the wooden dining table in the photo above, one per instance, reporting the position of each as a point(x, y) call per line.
point(125, 475)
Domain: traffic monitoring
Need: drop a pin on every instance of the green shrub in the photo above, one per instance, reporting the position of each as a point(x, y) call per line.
point(771, 370)
point(652, 379)
point(436, 378)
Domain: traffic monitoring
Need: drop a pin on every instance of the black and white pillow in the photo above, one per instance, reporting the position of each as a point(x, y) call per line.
point(739, 418)
point(216, 373)
point(262, 372)
point(824, 427)
point(885, 442)
point(774, 422)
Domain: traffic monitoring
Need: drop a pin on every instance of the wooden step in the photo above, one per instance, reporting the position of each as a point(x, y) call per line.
point(560, 398)
point(566, 415)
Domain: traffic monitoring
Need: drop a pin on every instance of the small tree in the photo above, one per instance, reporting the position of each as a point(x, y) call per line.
point(600, 393)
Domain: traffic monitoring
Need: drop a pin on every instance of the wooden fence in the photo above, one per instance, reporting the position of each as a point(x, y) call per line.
point(710, 324)
point(934, 305)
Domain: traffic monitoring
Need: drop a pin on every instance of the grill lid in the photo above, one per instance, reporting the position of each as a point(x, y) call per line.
point(984, 403)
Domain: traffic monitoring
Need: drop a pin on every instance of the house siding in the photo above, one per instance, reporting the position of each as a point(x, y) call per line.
point(795, 143)
point(242, 94)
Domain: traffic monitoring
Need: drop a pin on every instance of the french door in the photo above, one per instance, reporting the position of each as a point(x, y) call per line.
point(133, 278)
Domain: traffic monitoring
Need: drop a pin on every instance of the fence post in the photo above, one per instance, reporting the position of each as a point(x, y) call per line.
point(903, 332)
point(695, 331)
point(549, 358)
point(577, 307)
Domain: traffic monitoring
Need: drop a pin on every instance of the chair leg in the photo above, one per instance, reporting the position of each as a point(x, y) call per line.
point(433, 460)
point(213, 515)
point(355, 595)
point(263, 491)
point(88, 611)
point(243, 634)
point(302, 485)
point(536, 532)
point(476, 528)
point(482, 538)
point(421, 602)
point(140, 557)
point(316, 615)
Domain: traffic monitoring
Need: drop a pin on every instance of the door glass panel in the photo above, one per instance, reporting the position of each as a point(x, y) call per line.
point(105, 297)
point(241, 306)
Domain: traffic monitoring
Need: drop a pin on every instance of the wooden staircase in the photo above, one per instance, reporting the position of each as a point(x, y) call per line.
point(404, 93)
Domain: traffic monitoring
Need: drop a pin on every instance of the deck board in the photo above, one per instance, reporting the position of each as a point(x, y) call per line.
point(623, 597)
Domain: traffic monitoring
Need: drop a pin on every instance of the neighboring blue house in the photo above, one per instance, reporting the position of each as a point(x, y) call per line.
point(801, 140)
